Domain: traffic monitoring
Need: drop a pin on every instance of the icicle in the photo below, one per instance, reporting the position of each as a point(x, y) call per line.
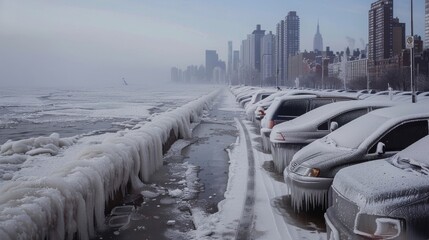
point(72, 200)
point(307, 199)
point(282, 156)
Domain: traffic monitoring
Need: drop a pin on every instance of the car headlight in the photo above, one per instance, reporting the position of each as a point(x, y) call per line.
point(378, 226)
point(306, 171)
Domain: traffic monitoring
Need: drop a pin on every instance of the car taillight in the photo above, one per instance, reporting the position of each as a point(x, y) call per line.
point(271, 124)
point(279, 136)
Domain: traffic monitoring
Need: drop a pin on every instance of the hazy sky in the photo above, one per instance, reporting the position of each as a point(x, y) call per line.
point(90, 42)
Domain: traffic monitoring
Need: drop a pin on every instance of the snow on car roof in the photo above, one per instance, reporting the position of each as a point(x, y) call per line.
point(358, 131)
point(324, 112)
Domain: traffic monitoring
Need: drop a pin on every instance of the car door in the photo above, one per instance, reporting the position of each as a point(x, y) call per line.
point(399, 138)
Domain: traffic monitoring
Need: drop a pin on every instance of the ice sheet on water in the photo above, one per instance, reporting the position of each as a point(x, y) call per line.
point(71, 199)
point(149, 194)
point(35, 146)
point(122, 210)
point(119, 221)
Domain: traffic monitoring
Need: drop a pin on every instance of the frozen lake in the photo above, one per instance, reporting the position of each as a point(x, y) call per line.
point(72, 151)
point(26, 113)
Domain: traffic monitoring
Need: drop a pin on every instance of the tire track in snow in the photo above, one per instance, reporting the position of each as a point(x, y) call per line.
point(246, 220)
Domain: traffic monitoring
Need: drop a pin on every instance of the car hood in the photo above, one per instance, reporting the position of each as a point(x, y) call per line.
point(376, 183)
point(322, 153)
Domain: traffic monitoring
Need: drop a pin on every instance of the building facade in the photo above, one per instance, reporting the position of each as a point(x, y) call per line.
point(398, 35)
point(212, 60)
point(235, 67)
point(229, 66)
point(355, 69)
point(251, 57)
point(279, 52)
point(268, 59)
point(380, 36)
point(426, 24)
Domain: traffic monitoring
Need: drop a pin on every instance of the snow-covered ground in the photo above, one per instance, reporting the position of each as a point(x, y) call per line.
point(55, 187)
point(257, 204)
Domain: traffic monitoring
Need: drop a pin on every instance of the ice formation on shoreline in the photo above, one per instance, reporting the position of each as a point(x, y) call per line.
point(71, 201)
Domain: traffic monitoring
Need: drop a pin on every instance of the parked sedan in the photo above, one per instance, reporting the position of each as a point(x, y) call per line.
point(378, 134)
point(289, 137)
point(386, 198)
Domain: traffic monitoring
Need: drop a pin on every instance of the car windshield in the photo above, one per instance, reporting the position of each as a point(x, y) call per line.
point(356, 131)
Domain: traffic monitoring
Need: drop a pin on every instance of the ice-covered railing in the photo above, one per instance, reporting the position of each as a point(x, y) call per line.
point(71, 201)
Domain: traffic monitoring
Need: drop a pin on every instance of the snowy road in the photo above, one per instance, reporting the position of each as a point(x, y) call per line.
point(244, 230)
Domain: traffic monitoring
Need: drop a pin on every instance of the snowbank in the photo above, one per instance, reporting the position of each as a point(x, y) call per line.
point(70, 199)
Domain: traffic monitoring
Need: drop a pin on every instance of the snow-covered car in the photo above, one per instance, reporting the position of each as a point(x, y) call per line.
point(289, 107)
point(378, 134)
point(386, 198)
point(257, 111)
point(256, 97)
point(260, 95)
point(245, 93)
point(289, 137)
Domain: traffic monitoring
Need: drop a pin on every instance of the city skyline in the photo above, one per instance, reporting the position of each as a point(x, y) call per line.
point(105, 40)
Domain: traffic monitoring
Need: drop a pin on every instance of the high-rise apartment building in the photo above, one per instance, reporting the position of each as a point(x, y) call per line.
point(251, 57)
point(380, 37)
point(235, 67)
point(229, 66)
point(256, 38)
point(426, 23)
point(279, 48)
point(291, 39)
point(212, 60)
point(318, 40)
point(268, 59)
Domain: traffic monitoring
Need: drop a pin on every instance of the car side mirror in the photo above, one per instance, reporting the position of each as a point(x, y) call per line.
point(333, 126)
point(381, 148)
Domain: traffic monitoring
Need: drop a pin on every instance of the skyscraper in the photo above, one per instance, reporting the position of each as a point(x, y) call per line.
point(291, 39)
point(380, 36)
point(229, 68)
point(426, 23)
point(318, 40)
point(251, 57)
point(212, 61)
point(235, 66)
point(256, 37)
point(280, 44)
point(268, 59)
